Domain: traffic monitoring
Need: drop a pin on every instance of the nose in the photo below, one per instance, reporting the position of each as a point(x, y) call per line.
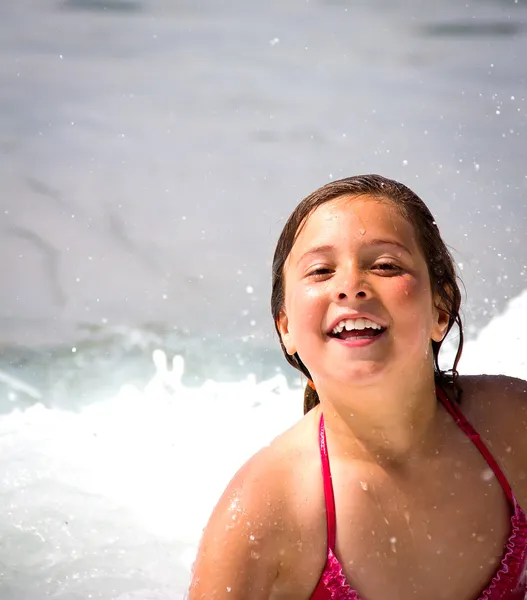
point(359, 294)
point(351, 284)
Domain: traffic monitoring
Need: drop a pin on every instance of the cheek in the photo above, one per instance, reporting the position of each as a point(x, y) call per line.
point(413, 295)
point(406, 288)
point(304, 298)
point(303, 306)
point(311, 293)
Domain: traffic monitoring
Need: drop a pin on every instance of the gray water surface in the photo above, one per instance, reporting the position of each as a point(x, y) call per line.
point(152, 150)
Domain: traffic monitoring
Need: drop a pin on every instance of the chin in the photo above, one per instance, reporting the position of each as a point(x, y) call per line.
point(364, 374)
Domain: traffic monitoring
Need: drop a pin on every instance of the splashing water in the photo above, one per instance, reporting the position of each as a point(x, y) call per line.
point(108, 502)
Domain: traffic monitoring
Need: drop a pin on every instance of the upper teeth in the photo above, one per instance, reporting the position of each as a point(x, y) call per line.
point(350, 324)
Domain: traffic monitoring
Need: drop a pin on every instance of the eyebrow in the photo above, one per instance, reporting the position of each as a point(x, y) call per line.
point(378, 242)
point(316, 250)
point(326, 248)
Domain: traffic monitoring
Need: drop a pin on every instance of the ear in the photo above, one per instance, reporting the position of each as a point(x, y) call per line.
point(441, 319)
point(282, 323)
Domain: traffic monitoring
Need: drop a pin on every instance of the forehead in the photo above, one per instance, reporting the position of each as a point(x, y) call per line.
point(347, 219)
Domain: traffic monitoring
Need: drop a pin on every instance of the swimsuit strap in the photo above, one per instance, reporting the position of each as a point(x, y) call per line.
point(464, 425)
point(328, 486)
point(467, 428)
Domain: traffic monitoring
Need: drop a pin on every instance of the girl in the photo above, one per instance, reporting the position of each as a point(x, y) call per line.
point(384, 490)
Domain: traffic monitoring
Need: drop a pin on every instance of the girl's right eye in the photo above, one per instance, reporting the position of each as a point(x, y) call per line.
point(319, 272)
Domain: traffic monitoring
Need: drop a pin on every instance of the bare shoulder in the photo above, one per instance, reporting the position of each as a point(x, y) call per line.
point(495, 396)
point(496, 405)
point(250, 534)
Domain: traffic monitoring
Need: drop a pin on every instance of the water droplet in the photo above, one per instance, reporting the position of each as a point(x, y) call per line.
point(487, 474)
point(362, 231)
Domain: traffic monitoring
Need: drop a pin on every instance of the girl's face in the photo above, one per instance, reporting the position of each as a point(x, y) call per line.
point(358, 300)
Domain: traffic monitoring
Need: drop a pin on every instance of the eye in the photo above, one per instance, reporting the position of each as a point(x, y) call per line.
point(387, 267)
point(320, 272)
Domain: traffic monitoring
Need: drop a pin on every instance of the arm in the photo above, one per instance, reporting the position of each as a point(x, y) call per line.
point(238, 556)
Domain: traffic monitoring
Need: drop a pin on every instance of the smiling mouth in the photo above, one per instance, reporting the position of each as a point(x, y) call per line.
point(356, 329)
point(364, 334)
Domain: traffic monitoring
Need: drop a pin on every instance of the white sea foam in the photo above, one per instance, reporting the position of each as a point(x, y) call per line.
point(501, 347)
point(109, 502)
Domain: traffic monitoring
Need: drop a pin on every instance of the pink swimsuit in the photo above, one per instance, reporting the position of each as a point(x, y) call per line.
point(510, 581)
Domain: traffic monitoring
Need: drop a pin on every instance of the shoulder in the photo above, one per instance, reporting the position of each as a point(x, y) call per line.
point(496, 405)
point(252, 530)
point(494, 396)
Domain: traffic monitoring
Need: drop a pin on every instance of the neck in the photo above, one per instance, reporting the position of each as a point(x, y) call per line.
point(385, 424)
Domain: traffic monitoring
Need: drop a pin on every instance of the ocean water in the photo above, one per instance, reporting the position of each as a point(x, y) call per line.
point(151, 150)
point(108, 500)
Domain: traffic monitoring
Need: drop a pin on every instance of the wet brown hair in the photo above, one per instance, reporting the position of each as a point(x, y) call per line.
point(443, 278)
